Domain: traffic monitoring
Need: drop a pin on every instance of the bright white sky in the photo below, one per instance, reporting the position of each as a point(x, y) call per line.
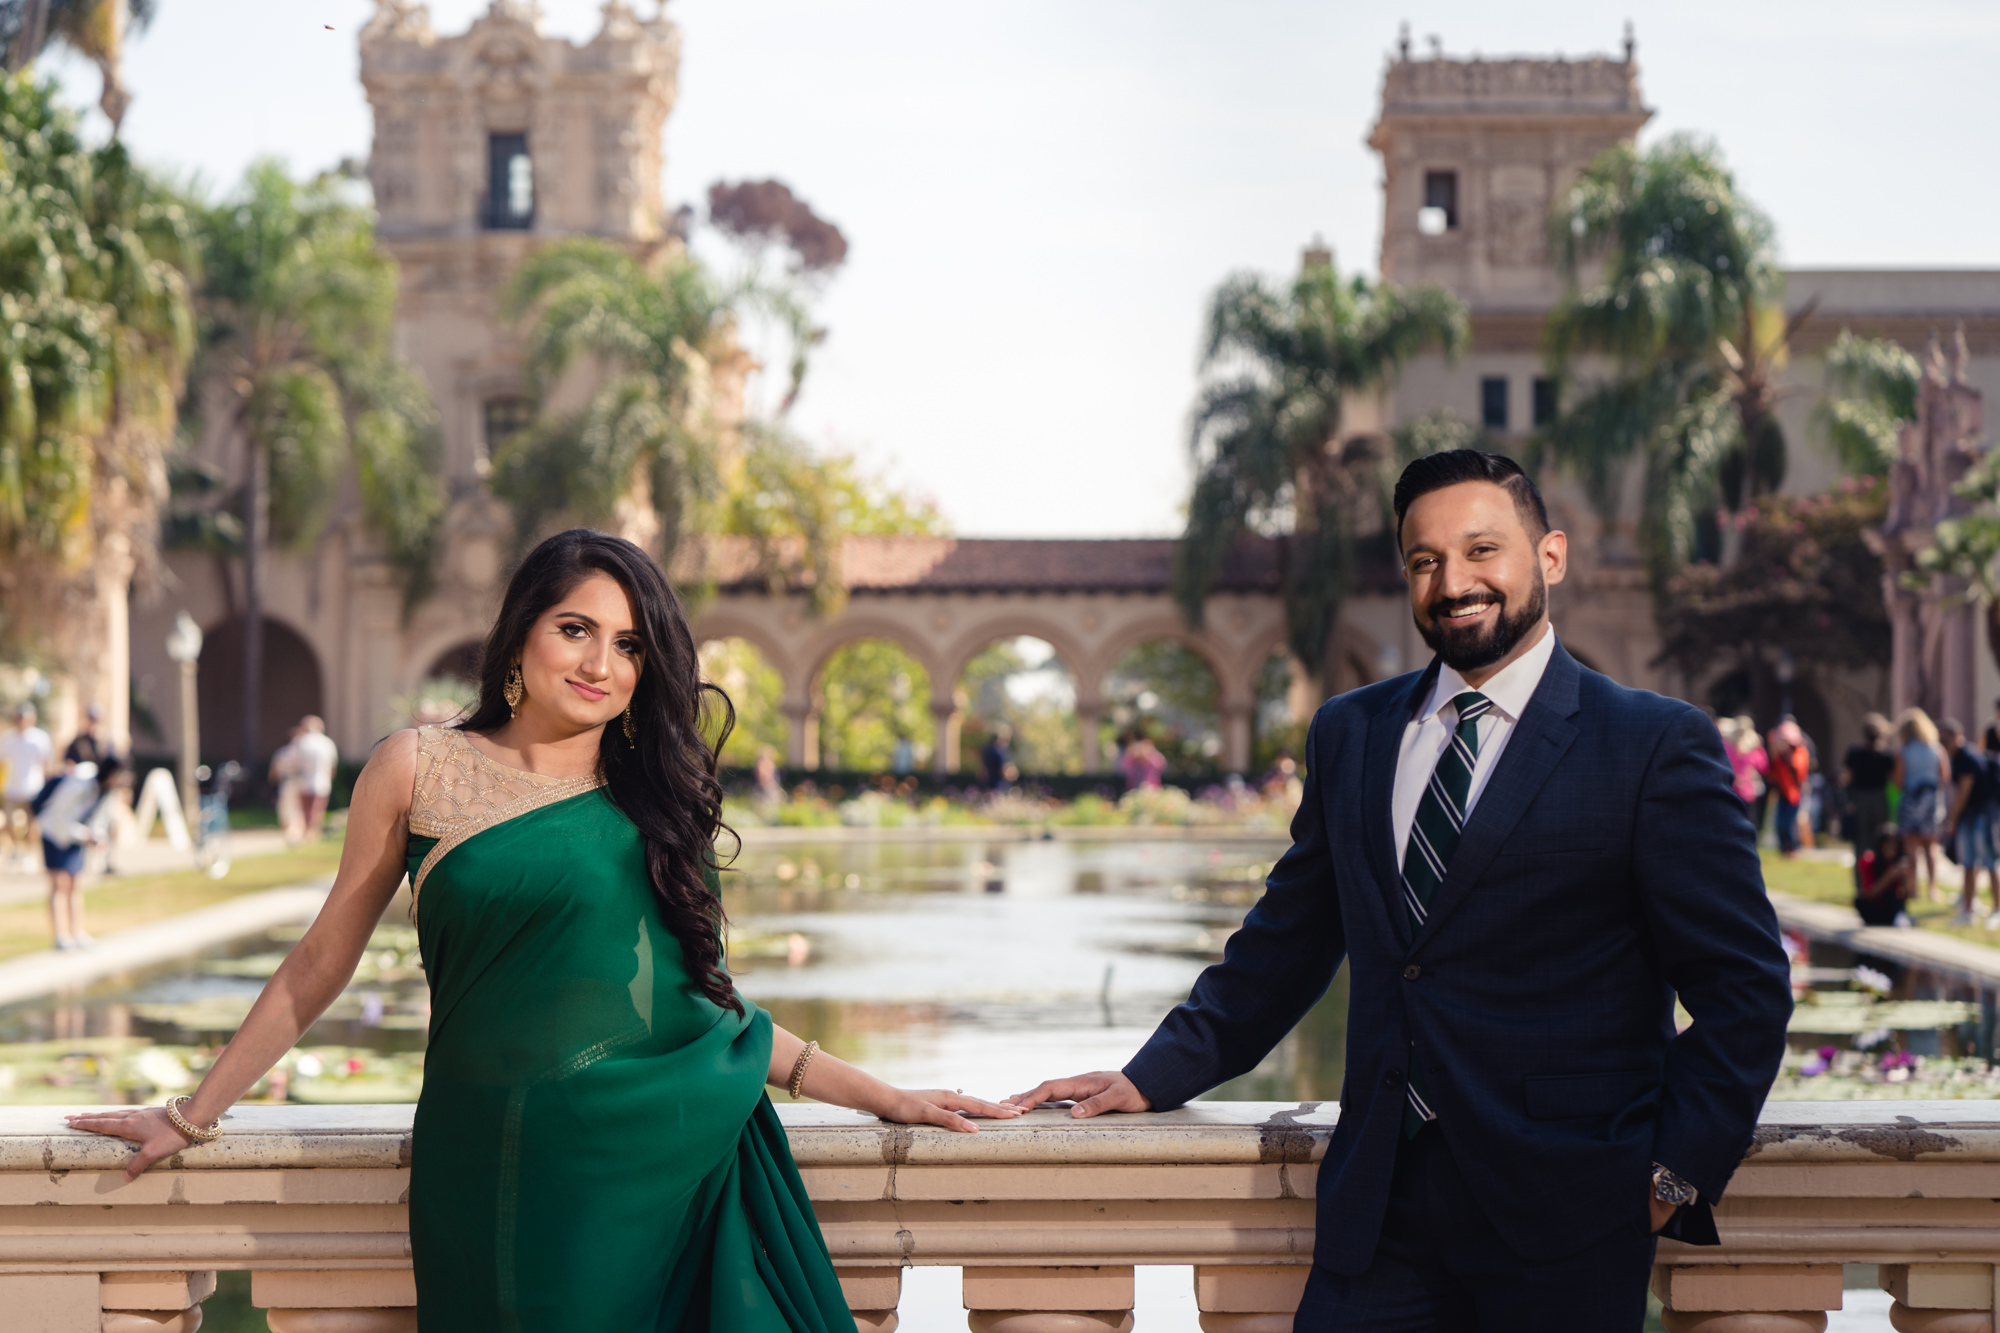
point(1041, 194)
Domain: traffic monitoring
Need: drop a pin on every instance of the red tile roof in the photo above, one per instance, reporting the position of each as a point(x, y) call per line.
point(984, 564)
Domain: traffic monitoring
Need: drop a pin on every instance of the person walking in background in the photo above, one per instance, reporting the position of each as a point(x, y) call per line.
point(287, 767)
point(1791, 765)
point(1970, 808)
point(319, 757)
point(1919, 772)
point(1749, 766)
point(1864, 775)
point(74, 816)
point(24, 754)
point(996, 769)
point(1884, 880)
point(767, 787)
point(1993, 731)
point(1142, 764)
point(89, 745)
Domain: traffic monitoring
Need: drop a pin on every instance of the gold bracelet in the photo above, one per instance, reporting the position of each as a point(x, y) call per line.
point(799, 1069)
point(192, 1131)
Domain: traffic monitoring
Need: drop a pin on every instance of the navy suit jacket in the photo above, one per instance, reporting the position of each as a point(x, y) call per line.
point(1607, 866)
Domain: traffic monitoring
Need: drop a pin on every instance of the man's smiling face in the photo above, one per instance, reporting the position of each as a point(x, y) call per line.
point(1478, 576)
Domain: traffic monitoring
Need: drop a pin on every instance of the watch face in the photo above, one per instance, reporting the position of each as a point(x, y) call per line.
point(1668, 1189)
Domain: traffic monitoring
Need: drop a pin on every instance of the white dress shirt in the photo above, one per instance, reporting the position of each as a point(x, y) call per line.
point(1431, 730)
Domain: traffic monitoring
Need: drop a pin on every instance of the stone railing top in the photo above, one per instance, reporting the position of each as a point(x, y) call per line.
point(34, 1138)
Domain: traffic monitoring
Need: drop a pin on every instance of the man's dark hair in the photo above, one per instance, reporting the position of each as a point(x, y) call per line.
point(1434, 472)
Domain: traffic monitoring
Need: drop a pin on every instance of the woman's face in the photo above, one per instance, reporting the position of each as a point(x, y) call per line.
point(582, 659)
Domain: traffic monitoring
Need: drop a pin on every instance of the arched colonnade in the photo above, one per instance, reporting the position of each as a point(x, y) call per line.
point(943, 632)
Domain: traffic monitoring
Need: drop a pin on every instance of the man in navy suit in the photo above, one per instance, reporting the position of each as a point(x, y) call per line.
point(1524, 863)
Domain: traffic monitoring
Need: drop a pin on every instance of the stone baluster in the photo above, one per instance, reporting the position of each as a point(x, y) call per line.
point(1248, 1298)
point(1940, 1298)
point(1746, 1298)
point(1049, 1300)
point(336, 1300)
point(153, 1302)
point(872, 1296)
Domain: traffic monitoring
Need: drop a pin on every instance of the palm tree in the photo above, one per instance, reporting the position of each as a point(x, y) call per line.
point(298, 306)
point(1266, 434)
point(647, 454)
point(643, 454)
point(94, 29)
point(1685, 309)
point(95, 334)
point(1871, 388)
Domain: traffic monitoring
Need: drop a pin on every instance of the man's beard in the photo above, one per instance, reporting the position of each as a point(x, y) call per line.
point(1472, 648)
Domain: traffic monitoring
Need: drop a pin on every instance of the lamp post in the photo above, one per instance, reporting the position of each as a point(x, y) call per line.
point(184, 646)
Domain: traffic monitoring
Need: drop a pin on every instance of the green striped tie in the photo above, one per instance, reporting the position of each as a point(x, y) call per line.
point(1433, 838)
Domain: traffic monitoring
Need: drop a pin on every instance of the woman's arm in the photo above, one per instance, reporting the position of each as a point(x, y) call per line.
point(313, 974)
point(833, 1080)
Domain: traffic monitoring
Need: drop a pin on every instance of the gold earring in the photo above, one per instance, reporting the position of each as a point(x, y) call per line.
point(631, 731)
point(514, 691)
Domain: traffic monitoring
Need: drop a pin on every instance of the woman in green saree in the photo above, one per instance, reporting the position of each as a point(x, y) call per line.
point(594, 1147)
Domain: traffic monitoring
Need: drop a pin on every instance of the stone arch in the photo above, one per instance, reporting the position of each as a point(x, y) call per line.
point(1232, 683)
point(1015, 625)
point(709, 628)
point(756, 693)
point(1002, 628)
point(838, 634)
point(458, 662)
point(883, 718)
point(293, 686)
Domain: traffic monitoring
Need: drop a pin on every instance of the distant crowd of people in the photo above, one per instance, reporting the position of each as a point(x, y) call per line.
point(1907, 790)
point(63, 806)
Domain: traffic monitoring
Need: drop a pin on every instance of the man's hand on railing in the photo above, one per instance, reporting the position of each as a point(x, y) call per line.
point(1106, 1090)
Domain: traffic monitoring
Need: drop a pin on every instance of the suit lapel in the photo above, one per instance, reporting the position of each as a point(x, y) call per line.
point(1385, 743)
point(1541, 738)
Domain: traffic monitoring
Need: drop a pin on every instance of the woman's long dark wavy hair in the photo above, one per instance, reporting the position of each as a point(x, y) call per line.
point(664, 781)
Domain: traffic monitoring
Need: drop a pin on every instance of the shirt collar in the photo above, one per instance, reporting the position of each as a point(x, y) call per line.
point(1509, 690)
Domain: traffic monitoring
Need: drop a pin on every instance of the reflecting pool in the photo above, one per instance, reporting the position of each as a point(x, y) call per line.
point(986, 965)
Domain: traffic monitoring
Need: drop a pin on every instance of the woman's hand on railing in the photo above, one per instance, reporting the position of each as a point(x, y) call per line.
point(147, 1126)
point(941, 1106)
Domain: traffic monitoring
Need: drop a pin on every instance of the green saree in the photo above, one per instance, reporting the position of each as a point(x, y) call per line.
point(594, 1148)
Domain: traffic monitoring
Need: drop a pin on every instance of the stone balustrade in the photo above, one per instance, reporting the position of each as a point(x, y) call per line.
point(1047, 1217)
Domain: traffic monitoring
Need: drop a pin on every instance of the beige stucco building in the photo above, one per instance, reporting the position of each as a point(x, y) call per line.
point(494, 140)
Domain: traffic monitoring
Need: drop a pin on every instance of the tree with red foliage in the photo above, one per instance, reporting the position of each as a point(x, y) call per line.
point(1805, 583)
point(767, 212)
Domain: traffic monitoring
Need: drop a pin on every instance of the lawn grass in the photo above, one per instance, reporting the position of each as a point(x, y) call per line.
point(138, 900)
point(1829, 882)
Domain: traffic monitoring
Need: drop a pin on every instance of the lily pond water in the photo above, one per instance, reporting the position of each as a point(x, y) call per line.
point(981, 963)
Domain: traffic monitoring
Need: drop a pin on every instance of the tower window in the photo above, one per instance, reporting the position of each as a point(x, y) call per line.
point(1440, 211)
point(510, 183)
point(1493, 402)
point(505, 417)
point(1545, 400)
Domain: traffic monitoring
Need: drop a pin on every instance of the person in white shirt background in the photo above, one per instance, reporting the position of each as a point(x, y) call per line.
point(75, 817)
point(24, 755)
point(318, 758)
point(286, 766)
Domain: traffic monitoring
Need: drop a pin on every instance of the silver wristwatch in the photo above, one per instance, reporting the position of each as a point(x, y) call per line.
point(1670, 1188)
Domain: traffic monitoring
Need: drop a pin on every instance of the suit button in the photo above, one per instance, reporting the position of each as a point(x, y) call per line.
point(1412, 972)
point(1393, 1079)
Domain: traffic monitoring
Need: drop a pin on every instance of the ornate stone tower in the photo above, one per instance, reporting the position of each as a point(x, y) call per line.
point(1474, 152)
point(486, 144)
